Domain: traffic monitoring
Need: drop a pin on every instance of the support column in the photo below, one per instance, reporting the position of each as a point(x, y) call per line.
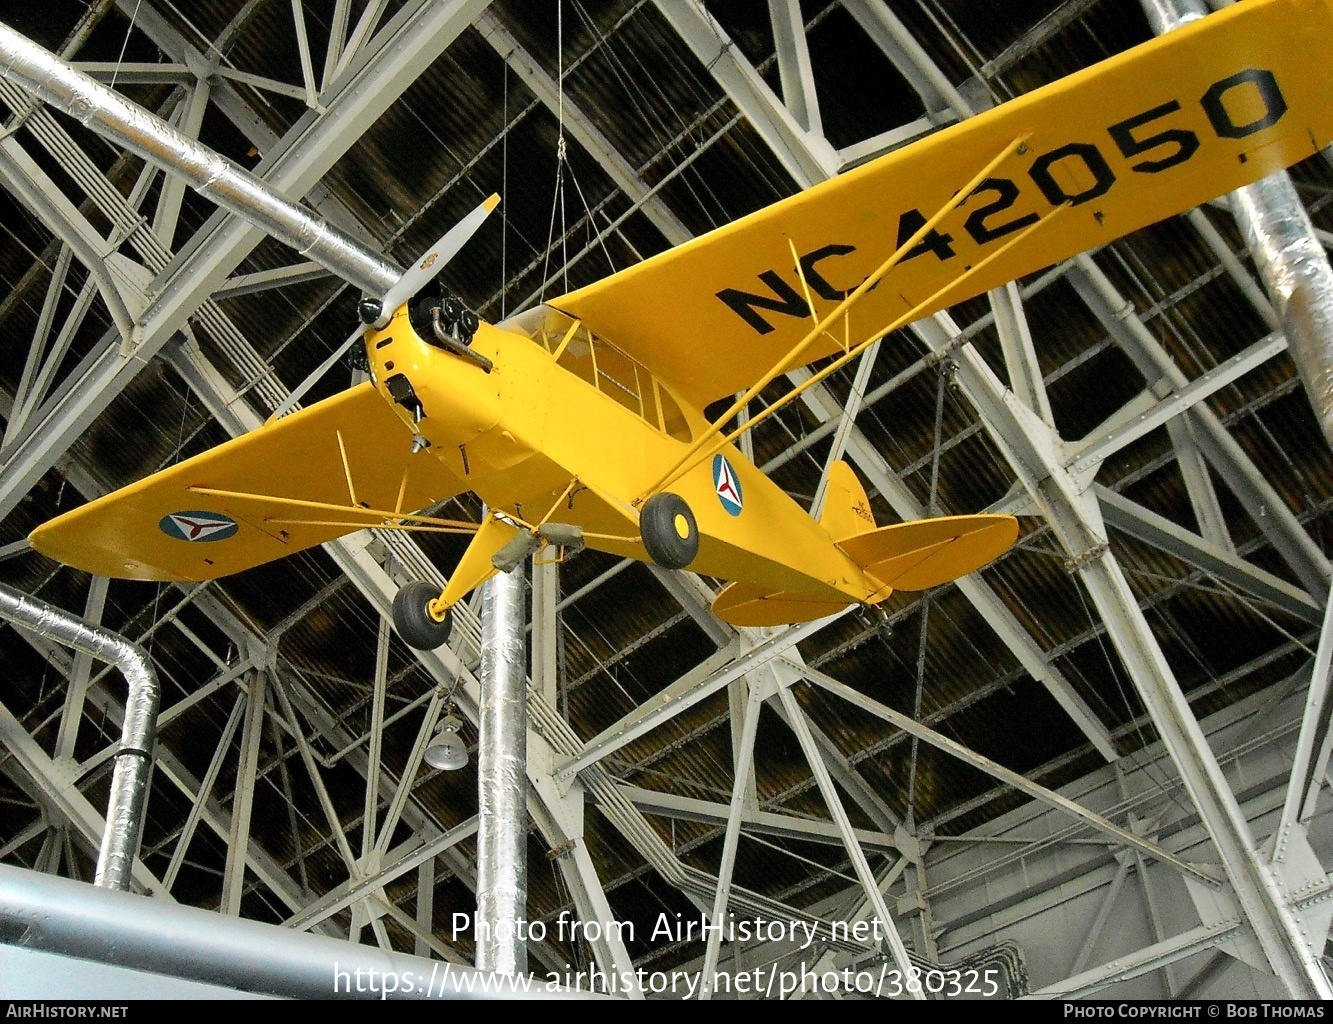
point(502, 867)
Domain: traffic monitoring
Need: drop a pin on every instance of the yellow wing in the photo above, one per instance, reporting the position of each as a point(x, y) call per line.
point(161, 529)
point(1140, 137)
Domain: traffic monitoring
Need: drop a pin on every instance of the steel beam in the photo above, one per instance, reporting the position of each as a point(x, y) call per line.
point(1133, 519)
point(14, 422)
point(783, 826)
point(420, 34)
point(1034, 660)
point(80, 673)
point(1088, 453)
point(1151, 958)
point(808, 159)
point(546, 629)
point(687, 691)
point(233, 874)
point(397, 862)
point(425, 918)
point(35, 189)
point(581, 127)
point(1020, 355)
point(1109, 903)
point(205, 792)
point(942, 100)
point(373, 755)
point(1265, 506)
point(166, 215)
point(998, 771)
point(794, 71)
point(730, 841)
point(1308, 768)
point(834, 804)
point(264, 280)
point(1032, 451)
point(846, 422)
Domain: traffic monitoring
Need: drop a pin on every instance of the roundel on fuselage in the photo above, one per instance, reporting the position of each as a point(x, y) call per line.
point(727, 485)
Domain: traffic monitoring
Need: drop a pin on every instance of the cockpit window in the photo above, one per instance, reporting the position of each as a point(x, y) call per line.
point(603, 366)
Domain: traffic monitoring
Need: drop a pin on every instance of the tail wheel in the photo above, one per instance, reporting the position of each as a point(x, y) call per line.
point(669, 531)
point(418, 628)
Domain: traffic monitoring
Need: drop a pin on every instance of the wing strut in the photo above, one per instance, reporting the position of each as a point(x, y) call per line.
point(692, 456)
point(685, 465)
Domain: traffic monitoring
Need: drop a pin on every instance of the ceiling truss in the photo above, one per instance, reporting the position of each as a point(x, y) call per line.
point(109, 244)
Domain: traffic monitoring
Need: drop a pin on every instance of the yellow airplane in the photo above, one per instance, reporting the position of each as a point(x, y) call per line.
point(579, 422)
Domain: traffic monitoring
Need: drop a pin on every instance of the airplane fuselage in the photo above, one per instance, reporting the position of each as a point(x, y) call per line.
point(520, 433)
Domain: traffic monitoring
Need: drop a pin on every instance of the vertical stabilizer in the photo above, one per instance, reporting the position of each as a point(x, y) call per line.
point(846, 510)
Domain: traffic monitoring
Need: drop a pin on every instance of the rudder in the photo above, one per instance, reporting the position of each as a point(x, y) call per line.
point(846, 511)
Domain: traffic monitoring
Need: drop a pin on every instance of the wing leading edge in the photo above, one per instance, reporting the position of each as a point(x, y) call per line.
point(161, 529)
point(1130, 141)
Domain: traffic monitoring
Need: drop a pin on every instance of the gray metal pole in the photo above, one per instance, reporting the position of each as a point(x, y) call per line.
point(502, 869)
point(134, 760)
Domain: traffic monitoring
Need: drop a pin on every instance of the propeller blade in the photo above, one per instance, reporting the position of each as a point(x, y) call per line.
point(433, 260)
point(319, 372)
point(414, 278)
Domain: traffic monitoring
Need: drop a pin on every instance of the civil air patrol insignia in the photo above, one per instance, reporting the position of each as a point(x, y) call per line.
point(197, 526)
point(727, 485)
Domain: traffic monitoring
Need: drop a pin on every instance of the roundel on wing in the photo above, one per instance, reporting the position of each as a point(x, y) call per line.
point(197, 527)
point(727, 485)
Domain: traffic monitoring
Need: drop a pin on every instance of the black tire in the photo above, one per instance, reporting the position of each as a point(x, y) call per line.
point(669, 531)
point(414, 623)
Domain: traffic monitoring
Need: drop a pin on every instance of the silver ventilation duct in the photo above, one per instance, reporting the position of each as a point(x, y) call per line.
point(60, 916)
point(1165, 15)
point(134, 759)
point(1300, 284)
point(233, 188)
point(502, 834)
point(1282, 243)
point(1296, 272)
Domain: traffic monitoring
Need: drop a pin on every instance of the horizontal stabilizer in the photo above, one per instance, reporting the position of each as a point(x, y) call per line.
point(927, 552)
point(160, 528)
point(743, 604)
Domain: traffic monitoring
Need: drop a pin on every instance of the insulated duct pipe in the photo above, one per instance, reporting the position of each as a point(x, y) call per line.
point(132, 932)
point(502, 832)
point(1300, 283)
point(1295, 270)
point(215, 177)
point(134, 759)
point(1282, 243)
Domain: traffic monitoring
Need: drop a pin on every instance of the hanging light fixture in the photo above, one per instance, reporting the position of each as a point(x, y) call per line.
point(446, 751)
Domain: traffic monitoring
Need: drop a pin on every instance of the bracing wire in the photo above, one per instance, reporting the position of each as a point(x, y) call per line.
point(125, 45)
point(562, 163)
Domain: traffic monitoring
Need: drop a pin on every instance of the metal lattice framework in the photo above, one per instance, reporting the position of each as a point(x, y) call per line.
point(1108, 749)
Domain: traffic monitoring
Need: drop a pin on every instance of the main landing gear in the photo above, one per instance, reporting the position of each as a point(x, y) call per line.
point(421, 611)
point(413, 620)
point(669, 531)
